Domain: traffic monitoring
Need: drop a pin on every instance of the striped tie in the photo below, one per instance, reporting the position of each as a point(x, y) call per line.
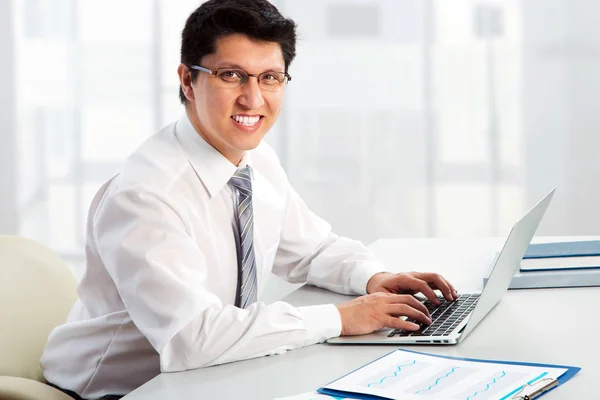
point(242, 189)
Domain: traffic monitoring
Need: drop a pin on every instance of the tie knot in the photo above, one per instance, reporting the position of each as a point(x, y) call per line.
point(242, 180)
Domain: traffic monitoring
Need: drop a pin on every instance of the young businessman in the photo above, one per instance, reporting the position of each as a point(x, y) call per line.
point(182, 241)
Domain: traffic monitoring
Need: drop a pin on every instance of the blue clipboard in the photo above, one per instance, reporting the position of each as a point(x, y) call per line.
point(571, 372)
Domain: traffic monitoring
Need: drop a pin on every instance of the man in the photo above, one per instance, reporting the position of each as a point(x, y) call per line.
point(182, 241)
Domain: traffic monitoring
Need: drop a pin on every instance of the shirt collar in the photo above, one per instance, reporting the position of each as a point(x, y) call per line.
point(213, 169)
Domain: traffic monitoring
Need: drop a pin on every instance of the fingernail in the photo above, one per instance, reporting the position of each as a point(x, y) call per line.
point(415, 326)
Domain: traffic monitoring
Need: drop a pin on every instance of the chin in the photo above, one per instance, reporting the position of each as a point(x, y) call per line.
point(247, 142)
point(250, 145)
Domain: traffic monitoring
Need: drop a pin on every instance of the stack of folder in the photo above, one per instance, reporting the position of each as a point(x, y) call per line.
point(559, 264)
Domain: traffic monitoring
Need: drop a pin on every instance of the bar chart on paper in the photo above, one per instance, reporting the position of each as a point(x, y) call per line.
point(406, 375)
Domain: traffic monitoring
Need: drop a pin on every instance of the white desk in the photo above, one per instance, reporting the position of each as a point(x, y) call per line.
point(531, 325)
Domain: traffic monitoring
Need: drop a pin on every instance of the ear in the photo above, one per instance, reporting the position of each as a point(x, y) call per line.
point(185, 79)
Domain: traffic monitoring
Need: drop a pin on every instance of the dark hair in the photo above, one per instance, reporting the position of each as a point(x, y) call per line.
point(257, 19)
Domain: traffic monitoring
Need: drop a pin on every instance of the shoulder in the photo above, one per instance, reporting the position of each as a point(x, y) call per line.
point(155, 175)
point(157, 164)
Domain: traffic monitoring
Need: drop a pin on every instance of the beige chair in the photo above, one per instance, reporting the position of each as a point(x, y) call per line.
point(37, 290)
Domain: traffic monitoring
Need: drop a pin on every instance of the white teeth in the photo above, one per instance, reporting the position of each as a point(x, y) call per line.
point(245, 120)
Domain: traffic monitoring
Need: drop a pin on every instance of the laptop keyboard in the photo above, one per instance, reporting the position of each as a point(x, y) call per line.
point(445, 317)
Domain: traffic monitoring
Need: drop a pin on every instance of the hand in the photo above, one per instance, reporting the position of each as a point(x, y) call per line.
point(411, 283)
point(372, 312)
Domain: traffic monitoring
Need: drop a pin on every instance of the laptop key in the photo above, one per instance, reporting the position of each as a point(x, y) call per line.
point(446, 317)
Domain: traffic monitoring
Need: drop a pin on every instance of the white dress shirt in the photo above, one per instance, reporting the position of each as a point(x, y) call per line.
point(160, 283)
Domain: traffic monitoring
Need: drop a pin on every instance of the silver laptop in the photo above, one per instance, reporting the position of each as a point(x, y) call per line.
point(453, 321)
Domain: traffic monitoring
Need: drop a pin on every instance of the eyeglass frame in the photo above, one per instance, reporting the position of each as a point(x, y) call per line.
point(215, 73)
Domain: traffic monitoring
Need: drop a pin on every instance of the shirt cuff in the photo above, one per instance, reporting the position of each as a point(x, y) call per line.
point(362, 273)
point(321, 322)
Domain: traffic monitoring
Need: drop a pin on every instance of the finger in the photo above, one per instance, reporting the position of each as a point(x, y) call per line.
point(452, 288)
point(399, 323)
point(418, 285)
point(454, 291)
point(404, 310)
point(438, 282)
point(409, 300)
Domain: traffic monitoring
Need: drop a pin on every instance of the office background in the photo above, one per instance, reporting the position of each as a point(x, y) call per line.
point(404, 117)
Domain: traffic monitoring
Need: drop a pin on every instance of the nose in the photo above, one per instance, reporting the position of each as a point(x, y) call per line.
point(251, 96)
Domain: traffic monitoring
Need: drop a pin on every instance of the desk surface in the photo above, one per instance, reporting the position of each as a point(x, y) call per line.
point(527, 325)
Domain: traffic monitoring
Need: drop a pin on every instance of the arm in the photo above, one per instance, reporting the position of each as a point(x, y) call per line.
point(160, 272)
point(309, 252)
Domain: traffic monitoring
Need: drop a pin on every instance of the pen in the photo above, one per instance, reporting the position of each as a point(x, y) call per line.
point(539, 391)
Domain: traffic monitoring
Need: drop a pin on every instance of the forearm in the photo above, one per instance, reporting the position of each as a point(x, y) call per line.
point(344, 266)
point(310, 252)
point(218, 336)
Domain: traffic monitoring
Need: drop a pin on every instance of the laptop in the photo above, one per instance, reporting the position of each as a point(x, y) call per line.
point(453, 321)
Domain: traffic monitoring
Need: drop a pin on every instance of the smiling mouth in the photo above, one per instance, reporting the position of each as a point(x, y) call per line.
point(246, 120)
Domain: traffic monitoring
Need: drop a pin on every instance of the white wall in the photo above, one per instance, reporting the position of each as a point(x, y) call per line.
point(412, 124)
point(561, 116)
point(9, 221)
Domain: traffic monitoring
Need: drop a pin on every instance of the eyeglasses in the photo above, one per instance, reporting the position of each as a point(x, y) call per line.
point(233, 78)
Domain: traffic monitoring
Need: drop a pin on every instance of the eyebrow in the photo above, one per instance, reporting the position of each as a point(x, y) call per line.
point(237, 66)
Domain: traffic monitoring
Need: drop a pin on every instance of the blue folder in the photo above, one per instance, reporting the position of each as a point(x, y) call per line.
point(338, 394)
point(563, 249)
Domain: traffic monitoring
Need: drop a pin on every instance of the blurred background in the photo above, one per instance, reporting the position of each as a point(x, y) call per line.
point(405, 118)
